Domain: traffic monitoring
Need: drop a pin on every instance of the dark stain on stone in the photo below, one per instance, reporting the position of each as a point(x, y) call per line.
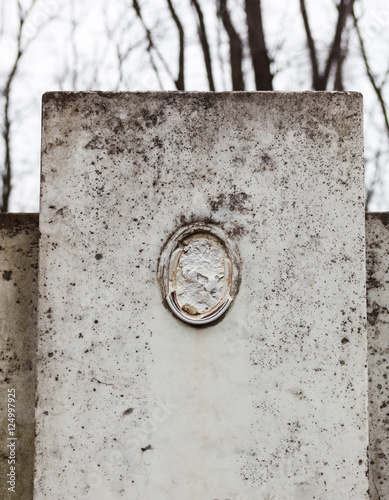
point(186, 219)
point(128, 412)
point(98, 256)
point(382, 216)
point(233, 201)
point(146, 448)
point(95, 143)
point(107, 95)
point(266, 164)
point(7, 275)
point(345, 340)
point(236, 232)
point(18, 222)
point(373, 314)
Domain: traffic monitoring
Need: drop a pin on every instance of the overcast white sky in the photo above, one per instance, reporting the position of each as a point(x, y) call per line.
point(44, 66)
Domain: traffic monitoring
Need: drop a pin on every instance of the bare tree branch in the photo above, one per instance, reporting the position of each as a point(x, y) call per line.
point(6, 91)
point(370, 190)
point(180, 80)
point(345, 8)
point(376, 87)
point(219, 52)
point(152, 46)
point(2, 18)
point(116, 36)
point(6, 132)
point(259, 54)
point(74, 25)
point(337, 52)
point(204, 43)
point(236, 50)
point(338, 84)
point(311, 45)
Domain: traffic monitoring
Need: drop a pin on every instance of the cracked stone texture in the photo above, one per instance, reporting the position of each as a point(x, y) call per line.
point(18, 301)
point(200, 273)
point(269, 402)
point(377, 247)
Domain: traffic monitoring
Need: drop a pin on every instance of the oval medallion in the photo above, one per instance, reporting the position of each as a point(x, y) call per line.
point(199, 274)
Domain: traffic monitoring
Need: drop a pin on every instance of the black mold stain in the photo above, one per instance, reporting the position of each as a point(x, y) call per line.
point(98, 256)
point(7, 275)
point(233, 201)
point(96, 143)
point(382, 216)
point(146, 448)
point(128, 412)
point(374, 313)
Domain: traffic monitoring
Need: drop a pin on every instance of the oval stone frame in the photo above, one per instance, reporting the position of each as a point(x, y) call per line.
point(199, 273)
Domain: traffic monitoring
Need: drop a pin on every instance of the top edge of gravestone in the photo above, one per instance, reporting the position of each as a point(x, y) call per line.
point(381, 216)
point(72, 95)
point(18, 220)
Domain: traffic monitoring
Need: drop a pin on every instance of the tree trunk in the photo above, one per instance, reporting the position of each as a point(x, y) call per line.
point(259, 55)
point(236, 50)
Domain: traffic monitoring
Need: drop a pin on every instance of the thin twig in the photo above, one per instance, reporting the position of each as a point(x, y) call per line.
point(311, 44)
point(6, 173)
point(151, 45)
point(345, 8)
point(372, 187)
point(376, 87)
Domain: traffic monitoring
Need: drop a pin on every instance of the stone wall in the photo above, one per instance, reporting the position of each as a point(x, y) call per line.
point(19, 245)
point(19, 237)
point(377, 266)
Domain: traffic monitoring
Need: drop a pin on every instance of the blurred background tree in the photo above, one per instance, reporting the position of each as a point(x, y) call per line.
point(180, 45)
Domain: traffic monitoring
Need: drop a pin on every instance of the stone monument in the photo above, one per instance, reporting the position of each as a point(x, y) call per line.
point(202, 306)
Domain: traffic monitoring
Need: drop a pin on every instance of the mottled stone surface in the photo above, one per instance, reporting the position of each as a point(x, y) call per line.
point(18, 299)
point(377, 250)
point(269, 402)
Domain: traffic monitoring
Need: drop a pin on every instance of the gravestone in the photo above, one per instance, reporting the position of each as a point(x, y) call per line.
point(201, 329)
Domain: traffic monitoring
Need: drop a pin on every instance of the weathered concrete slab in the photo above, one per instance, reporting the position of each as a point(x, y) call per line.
point(271, 400)
point(18, 300)
point(377, 249)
